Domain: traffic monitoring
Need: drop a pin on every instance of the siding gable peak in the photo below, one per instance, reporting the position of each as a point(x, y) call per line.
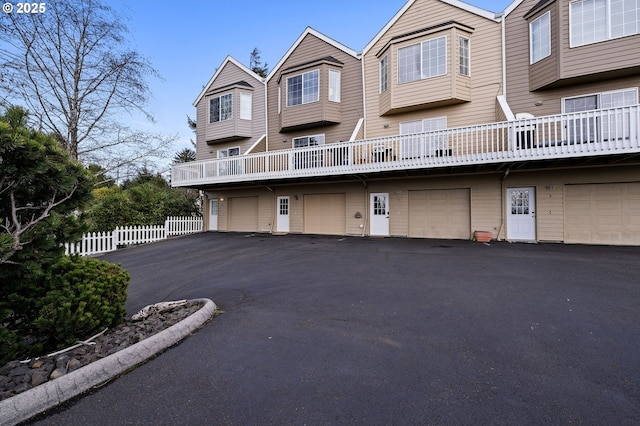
point(227, 60)
point(317, 34)
point(455, 3)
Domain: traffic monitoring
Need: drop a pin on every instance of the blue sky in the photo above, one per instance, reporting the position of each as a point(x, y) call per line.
point(187, 41)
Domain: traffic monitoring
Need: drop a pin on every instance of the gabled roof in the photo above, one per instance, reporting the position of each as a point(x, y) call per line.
point(317, 34)
point(537, 6)
point(511, 7)
point(228, 59)
point(456, 3)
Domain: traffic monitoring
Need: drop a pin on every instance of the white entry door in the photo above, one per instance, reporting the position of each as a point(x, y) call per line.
point(213, 214)
point(282, 223)
point(379, 214)
point(521, 214)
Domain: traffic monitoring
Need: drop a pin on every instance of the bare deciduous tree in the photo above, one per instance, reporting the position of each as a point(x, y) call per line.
point(72, 68)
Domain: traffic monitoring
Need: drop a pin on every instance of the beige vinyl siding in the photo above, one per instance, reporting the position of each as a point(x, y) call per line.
point(484, 191)
point(550, 188)
point(347, 112)
point(611, 55)
point(549, 100)
point(258, 202)
point(325, 214)
point(249, 130)
point(483, 85)
point(320, 110)
point(545, 70)
point(440, 213)
point(486, 204)
point(517, 62)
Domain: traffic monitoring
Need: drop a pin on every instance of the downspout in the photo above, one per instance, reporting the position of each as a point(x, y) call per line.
point(366, 206)
point(273, 210)
point(503, 206)
point(364, 98)
point(266, 119)
point(504, 56)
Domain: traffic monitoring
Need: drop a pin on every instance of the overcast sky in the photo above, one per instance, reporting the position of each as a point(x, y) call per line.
point(187, 41)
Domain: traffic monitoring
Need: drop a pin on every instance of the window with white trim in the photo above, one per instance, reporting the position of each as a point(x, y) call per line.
point(279, 99)
point(221, 108)
point(334, 86)
point(245, 106)
point(591, 21)
point(464, 55)
point(416, 144)
point(422, 60)
point(384, 74)
point(303, 88)
point(540, 38)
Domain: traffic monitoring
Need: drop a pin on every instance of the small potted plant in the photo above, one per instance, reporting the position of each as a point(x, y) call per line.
point(482, 236)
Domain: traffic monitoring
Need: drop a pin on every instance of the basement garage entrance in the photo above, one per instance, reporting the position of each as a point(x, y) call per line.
point(440, 213)
point(325, 214)
point(605, 213)
point(243, 214)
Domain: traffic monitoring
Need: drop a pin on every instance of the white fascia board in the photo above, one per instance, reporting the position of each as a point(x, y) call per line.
point(317, 34)
point(234, 61)
point(511, 8)
point(456, 3)
point(473, 9)
point(386, 28)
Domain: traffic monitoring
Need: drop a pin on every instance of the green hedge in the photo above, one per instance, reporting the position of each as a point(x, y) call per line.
point(85, 295)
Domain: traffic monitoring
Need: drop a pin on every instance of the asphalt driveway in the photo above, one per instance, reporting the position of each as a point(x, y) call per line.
point(329, 330)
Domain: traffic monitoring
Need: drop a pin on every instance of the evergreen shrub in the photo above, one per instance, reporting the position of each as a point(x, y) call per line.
point(84, 296)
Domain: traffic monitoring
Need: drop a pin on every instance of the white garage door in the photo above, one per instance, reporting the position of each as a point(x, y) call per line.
point(243, 214)
point(325, 214)
point(602, 213)
point(440, 213)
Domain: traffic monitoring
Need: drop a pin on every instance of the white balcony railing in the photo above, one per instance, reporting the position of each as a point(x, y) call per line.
point(590, 133)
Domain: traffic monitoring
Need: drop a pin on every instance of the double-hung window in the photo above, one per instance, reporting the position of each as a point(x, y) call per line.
point(465, 56)
point(245, 106)
point(592, 21)
point(303, 88)
point(334, 86)
point(422, 60)
point(384, 74)
point(540, 38)
point(220, 108)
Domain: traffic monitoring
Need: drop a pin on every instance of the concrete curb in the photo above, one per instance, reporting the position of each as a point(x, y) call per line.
point(27, 404)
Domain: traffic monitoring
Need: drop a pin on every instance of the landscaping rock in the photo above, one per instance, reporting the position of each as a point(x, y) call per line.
point(17, 377)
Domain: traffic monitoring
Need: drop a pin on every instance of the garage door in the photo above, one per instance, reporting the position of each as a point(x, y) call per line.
point(325, 214)
point(440, 213)
point(602, 213)
point(243, 214)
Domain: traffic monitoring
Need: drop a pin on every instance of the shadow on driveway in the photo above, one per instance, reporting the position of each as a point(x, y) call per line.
point(330, 330)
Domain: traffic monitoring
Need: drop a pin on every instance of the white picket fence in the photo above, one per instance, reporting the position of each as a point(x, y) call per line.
point(103, 242)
